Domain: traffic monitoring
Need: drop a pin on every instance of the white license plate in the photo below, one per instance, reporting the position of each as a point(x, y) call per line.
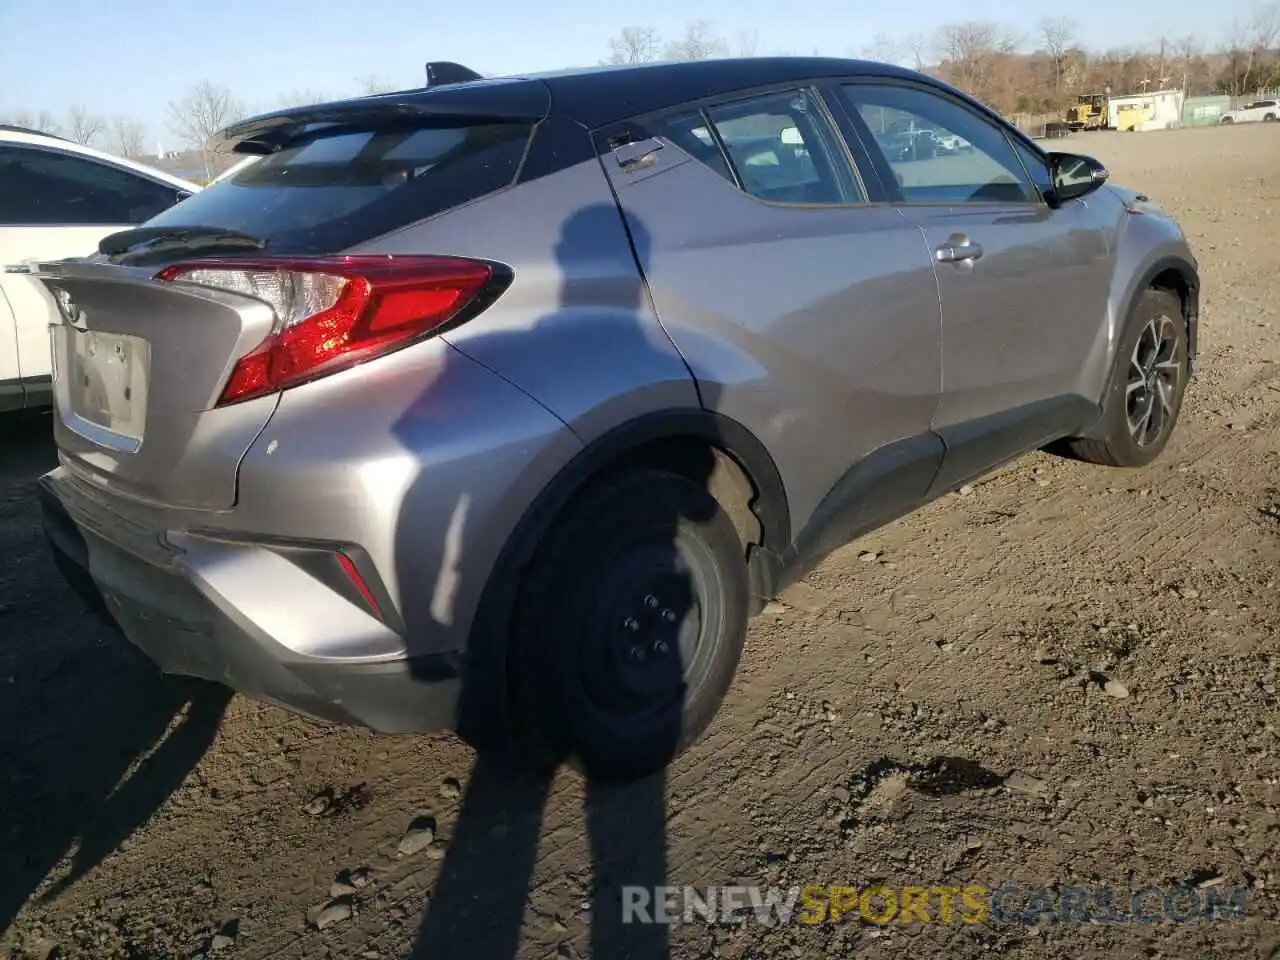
point(108, 381)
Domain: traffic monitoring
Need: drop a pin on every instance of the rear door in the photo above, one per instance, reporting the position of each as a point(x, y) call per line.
point(1023, 286)
point(805, 307)
point(56, 205)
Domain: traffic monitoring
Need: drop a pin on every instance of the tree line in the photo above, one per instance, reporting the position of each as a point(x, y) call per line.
point(1035, 72)
point(193, 119)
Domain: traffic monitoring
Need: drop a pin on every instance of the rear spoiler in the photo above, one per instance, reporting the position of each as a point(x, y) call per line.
point(452, 96)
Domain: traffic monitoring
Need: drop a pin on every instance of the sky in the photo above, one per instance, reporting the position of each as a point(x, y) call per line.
point(132, 57)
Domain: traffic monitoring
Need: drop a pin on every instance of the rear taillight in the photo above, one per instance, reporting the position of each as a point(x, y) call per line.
point(334, 312)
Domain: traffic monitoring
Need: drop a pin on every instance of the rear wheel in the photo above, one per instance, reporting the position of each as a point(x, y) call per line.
point(1144, 395)
point(629, 628)
point(1270, 118)
point(1228, 120)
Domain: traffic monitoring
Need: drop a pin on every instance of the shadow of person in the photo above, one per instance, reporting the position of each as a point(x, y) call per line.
point(92, 739)
point(593, 640)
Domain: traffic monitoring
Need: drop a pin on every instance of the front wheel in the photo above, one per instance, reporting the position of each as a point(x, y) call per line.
point(1270, 118)
point(1144, 394)
point(629, 627)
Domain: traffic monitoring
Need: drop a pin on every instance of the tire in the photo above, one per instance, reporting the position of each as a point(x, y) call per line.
point(1269, 118)
point(1228, 120)
point(628, 628)
point(1139, 380)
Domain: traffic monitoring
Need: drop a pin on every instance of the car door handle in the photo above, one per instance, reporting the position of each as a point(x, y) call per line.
point(958, 250)
point(637, 154)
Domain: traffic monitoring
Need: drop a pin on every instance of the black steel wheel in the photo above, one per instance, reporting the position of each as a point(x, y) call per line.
point(629, 627)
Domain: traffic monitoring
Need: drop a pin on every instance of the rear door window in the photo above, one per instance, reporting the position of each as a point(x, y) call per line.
point(333, 188)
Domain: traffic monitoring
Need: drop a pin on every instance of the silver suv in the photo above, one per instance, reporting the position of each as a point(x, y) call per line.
point(502, 405)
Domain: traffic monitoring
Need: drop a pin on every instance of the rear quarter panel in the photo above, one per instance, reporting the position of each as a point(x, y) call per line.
point(429, 458)
point(576, 329)
point(425, 459)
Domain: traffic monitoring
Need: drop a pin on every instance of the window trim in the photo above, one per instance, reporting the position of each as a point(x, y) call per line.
point(1034, 149)
point(856, 142)
point(884, 169)
point(54, 151)
point(813, 88)
point(843, 154)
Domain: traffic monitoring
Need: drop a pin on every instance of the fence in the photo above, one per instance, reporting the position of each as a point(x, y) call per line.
point(1035, 125)
point(1204, 111)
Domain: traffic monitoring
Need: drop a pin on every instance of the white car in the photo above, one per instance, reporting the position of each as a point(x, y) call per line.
point(1265, 110)
point(235, 168)
point(952, 142)
point(57, 200)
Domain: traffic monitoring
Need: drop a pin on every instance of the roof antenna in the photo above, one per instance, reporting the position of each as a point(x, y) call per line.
point(443, 72)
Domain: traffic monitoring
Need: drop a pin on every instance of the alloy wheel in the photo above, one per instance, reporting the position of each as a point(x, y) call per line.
point(1155, 376)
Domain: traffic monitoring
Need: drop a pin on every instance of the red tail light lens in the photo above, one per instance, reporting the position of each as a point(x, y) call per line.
point(335, 312)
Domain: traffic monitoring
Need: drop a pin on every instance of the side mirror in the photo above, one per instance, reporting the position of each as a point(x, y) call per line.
point(1074, 176)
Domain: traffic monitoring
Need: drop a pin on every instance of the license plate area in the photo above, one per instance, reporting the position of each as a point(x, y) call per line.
point(107, 380)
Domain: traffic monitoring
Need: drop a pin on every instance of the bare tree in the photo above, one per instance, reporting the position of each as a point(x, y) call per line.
point(43, 121)
point(1264, 26)
point(19, 118)
point(1191, 66)
point(748, 43)
point(917, 46)
point(205, 110)
point(1235, 49)
point(1058, 35)
point(372, 83)
point(127, 137)
point(971, 52)
point(635, 45)
point(883, 49)
point(301, 98)
point(700, 42)
point(83, 126)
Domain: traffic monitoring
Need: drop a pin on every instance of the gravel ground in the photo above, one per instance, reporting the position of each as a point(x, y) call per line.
point(1064, 677)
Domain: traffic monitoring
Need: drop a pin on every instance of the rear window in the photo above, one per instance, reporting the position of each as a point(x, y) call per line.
point(333, 188)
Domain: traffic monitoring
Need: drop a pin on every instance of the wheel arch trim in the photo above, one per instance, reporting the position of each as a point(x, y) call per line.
point(769, 503)
point(482, 711)
point(1187, 270)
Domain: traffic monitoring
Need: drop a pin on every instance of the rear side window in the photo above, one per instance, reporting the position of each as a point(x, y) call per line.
point(780, 146)
point(47, 188)
point(784, 150)
point(336, 187)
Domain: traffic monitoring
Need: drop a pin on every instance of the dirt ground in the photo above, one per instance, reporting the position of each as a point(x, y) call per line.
point(949, 712)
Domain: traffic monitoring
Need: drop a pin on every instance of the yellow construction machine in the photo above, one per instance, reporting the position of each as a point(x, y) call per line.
point(1089, 113)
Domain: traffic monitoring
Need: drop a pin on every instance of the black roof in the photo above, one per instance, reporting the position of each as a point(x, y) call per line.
point(597, 96)
point(592, 96)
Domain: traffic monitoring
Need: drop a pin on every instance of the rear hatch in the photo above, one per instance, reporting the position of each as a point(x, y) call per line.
point(176, 339)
